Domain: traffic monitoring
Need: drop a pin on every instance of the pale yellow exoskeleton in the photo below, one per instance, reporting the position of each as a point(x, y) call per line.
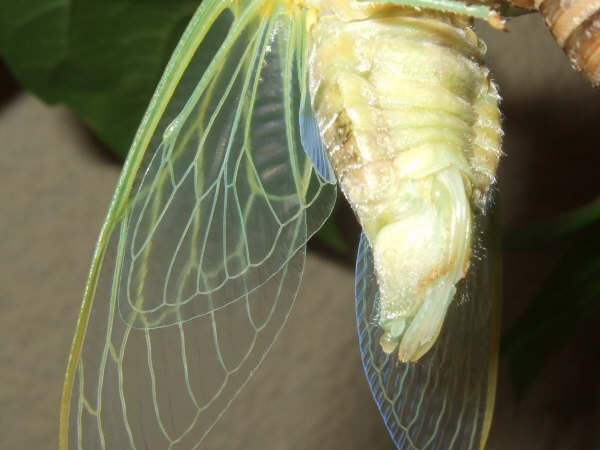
point(410, 119)
point(264, 104)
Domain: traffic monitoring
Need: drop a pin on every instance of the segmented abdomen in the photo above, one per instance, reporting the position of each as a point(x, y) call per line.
point(410, 119)
point(575, 25)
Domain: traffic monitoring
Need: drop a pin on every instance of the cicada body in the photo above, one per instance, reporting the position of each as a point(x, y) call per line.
point(263, 106)
point(410, 119)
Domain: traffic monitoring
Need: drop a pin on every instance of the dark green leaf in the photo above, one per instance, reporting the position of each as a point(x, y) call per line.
point(331, 235)
point(571, 295)
point(101, 58)
point(549, 232)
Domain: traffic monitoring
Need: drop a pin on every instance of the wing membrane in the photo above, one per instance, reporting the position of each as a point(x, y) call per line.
point(216, 209)
point(446, 398)
point(203, 249)
point(167, 387)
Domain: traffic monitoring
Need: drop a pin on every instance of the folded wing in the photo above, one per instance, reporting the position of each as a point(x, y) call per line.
point(444, 400)
point(203, 249)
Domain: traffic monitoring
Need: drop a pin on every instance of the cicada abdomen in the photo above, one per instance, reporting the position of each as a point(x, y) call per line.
point(575, 25)
point(409, 116)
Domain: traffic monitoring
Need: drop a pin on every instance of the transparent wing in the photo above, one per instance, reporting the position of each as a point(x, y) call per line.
point(202, 252)
point(312, 143)
point(218, 207)
point(444, 400)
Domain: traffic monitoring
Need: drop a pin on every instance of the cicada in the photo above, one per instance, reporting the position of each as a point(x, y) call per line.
point(264, 106)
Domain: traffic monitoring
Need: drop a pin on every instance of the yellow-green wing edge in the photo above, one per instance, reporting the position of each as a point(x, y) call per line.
point(197, 29)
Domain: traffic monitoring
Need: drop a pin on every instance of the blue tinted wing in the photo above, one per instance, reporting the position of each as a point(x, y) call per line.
point(445, 400)
point(312, 143)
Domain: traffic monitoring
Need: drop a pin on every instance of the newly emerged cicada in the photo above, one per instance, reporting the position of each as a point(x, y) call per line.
point(264, 106)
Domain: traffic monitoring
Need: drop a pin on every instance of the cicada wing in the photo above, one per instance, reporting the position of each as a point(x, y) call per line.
point(444, 400)
point(203, 249)
point(216, 208)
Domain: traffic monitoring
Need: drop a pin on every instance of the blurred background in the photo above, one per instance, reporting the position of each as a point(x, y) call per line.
point(59, 165)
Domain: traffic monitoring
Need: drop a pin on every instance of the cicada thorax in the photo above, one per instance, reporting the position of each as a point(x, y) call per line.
point(575, 25)
point(410, 119)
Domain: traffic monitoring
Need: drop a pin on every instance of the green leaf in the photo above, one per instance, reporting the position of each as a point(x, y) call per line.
point(102, 58)
point(545, 233)
point(571, 295)
point(340, 233)
point(331, 235)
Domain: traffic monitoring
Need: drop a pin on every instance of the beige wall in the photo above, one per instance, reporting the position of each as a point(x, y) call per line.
point(310, 393)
